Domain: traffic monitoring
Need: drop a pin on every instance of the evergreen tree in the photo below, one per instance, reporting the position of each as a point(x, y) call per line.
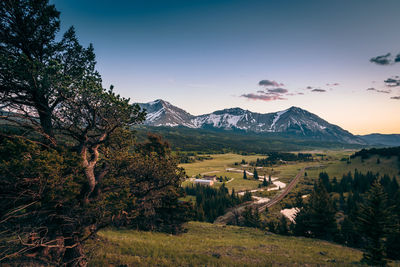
point(317, 218)
point(251, 217)
point(299, 200)
point(374, 223)
point(349, 235)
point(265, 183)
point(255, 174)
point(233, 196)
point(244, 174)
point(282, 227)
point(393, 240)
point(247, 196)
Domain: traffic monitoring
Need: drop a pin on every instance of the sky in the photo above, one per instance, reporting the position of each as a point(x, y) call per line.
point(328, 57)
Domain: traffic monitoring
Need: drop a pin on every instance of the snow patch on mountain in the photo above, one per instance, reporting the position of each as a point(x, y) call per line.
point(293, 121)
point(277, 116)
point(155, 115)
point(217, 120)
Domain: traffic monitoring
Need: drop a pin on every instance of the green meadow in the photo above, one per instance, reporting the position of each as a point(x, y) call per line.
point(331, 162)
point(207, 244)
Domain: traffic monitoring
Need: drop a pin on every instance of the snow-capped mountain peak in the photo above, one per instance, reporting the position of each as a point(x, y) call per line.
point(292, 121)
point(163, 113)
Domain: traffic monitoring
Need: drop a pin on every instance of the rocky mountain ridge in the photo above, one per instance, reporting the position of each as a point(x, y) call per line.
point(292, 121)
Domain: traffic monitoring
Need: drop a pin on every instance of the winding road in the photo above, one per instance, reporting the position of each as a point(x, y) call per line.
point(230, 215)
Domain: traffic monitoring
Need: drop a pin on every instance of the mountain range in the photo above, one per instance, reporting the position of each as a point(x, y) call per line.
point(377, 139)
point(293, 121)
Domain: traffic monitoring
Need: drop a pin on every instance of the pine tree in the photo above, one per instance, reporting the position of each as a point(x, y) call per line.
point(317, 218)
point(374, 223)
point(299, 200)
point(255, 174)
point(234, 196)
point(247, 196)
point(265, 183)
point(251, 217)
point(283, 226)
point(393, 239)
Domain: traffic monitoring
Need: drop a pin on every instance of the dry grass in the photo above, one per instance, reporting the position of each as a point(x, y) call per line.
point(213, 245)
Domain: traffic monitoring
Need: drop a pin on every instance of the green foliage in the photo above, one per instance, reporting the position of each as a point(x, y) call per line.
point(37, 72)
point(384, 152)
point(317, 217)
point(369, 210)
point(375, 222)
point(86, 173)
point(247, 196)
point(153, 179)
point(278, 157)
point(282, 227)
point(39, 204)
point(265, 183)
point(255, 174)
point(251, 217)
point(211, 202)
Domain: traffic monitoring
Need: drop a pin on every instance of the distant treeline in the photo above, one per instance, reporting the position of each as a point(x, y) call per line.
point(384, 152)
point(277, 157)
point(190, 157)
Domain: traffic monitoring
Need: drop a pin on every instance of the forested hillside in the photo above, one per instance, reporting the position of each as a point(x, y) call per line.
point(217, 141)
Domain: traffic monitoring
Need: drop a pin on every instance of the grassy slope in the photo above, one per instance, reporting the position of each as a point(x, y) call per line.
point(214, 245)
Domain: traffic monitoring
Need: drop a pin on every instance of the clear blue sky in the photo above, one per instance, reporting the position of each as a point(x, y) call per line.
point(208, 55)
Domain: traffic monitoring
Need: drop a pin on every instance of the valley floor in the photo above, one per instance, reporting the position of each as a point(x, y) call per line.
point(207, 244)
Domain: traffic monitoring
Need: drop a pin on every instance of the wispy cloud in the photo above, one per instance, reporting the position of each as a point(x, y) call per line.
point(272, 91)
point(332, 84)
point(264, 97)
point(269, 83)
point(395, 97)
point(318, 90)
point(295, 93)
point(278, 90)
point(382, 60)
point(379, 91)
